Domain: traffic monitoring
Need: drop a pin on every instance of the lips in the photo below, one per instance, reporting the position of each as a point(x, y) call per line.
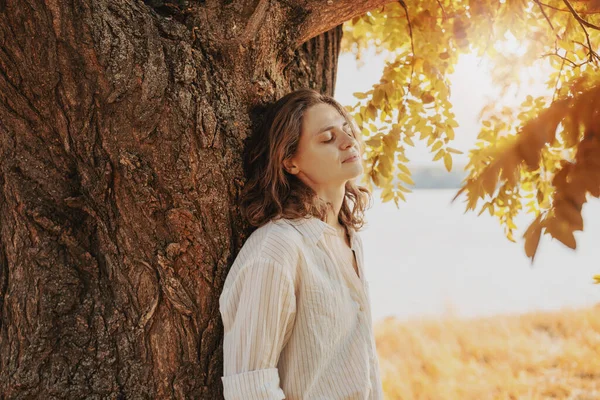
point(351, 158)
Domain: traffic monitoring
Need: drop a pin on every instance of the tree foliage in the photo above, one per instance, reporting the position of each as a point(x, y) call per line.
point(541, 158)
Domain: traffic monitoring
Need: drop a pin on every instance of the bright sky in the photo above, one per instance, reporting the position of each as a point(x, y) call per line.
point(471, 88)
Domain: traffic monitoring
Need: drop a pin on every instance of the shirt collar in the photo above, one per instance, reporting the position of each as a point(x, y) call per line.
point(314, 229)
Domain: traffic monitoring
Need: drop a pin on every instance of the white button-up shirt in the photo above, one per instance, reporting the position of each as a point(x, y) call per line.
point(297, 321)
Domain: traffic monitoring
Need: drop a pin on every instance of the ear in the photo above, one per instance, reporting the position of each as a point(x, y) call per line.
point(290, 167)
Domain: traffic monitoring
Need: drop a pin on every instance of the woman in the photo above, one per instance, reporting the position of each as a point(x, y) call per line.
point(295, 304)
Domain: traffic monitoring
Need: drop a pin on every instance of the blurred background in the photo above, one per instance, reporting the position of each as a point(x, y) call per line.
point(459, 311)
point(429, 258)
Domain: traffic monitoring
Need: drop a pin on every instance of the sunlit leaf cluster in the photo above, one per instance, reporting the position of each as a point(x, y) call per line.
point(542, 157)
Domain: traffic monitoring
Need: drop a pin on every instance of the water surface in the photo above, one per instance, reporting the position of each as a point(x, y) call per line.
point(429, 258)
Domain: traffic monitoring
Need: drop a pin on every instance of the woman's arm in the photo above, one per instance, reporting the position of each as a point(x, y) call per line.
point(258, 310)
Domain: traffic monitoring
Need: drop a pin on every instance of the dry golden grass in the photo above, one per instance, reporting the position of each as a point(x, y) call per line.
point(542, 355)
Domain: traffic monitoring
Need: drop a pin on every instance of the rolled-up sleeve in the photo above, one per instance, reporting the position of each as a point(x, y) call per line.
point(258, 308)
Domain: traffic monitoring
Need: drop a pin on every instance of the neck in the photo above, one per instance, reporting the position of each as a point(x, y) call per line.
point(334, 196)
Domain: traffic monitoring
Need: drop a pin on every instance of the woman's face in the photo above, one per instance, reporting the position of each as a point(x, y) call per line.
point(326, 141)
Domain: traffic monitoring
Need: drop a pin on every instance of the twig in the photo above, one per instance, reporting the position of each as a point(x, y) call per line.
point(579, 19)
point(544, 14)
point(412, 44)
point(592, 53)
point(564, 59)
point(444, 16)
point(565, 10)
point(583, 23)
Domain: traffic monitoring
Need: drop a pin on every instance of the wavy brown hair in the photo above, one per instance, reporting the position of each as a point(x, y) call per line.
point(270, 191)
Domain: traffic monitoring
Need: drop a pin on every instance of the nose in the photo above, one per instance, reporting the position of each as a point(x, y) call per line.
point(349, 140)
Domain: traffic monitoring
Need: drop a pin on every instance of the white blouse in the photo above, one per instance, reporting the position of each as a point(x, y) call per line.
point(297, 318)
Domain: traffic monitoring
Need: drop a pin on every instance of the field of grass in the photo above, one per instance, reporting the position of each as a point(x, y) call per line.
point(542, 355)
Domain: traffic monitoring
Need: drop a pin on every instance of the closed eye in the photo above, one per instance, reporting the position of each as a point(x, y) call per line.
point(332, 137)
point(346, 128)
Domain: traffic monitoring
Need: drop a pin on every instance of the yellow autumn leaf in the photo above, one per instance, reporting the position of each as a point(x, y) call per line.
point(448, 161)
point(427, 98)
point(405, 178)
point(403, 168)
point(452, 123)
point(483, 208)
point(400, 195)
point(532, 237)
point(402, 158)
point(373, 142)
point(387, 195)
point(430, 140)
point(403, 189)
point(439, 155)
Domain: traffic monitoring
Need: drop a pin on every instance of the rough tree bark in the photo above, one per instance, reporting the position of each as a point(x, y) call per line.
point(122, 125)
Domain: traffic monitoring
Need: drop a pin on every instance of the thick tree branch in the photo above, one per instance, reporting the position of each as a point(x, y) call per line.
point(314, 17)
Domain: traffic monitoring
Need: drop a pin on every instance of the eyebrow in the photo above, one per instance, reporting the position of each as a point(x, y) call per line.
point(329, 127)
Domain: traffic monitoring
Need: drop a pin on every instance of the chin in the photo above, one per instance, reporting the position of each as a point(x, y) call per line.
point(356, 173)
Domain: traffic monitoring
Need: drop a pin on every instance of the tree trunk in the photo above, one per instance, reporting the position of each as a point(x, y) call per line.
point(122, 125)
